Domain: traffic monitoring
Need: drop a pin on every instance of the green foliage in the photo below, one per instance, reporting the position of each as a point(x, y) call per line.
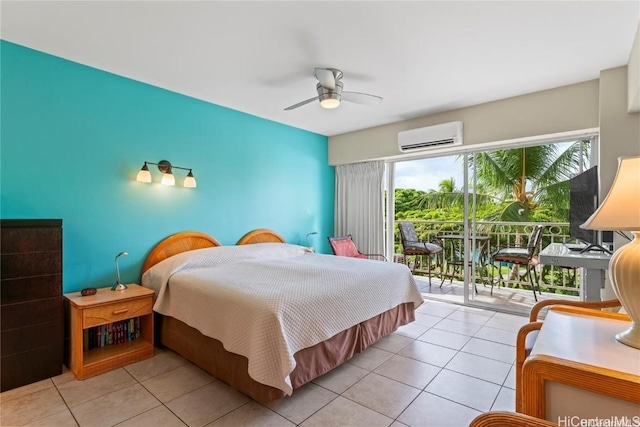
point(529, 179)
point(406, 199)
point(521, 184)
point(449, 195)
point(407, 210)
point(528, 184)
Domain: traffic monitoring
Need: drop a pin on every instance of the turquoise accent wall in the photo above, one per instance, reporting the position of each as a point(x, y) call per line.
point(73, 139)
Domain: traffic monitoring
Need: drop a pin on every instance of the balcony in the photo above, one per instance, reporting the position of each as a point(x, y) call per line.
point(515, 290)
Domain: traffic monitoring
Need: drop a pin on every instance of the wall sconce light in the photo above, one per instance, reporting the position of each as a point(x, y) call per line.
point(164, 166)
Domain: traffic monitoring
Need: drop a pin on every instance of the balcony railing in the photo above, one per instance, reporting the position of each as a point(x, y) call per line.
point(501, 234)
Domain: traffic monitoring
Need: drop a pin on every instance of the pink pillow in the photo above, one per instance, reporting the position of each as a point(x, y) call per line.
point(346, 247)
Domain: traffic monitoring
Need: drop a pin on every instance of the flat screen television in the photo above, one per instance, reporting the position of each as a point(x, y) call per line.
point(583, 202)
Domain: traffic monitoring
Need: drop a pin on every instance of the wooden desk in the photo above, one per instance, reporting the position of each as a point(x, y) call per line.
point(577, 369)
point(593, 265)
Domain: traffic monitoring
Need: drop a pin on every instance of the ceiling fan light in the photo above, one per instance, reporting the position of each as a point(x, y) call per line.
point(330, 94)
point(329, 103)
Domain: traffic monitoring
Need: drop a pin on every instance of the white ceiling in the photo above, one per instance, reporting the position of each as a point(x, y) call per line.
point(258, 57)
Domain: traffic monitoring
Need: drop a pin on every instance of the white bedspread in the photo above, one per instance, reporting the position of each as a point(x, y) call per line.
point(268, 301)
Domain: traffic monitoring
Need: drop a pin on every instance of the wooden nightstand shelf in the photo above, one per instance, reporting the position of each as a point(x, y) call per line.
point(104, 308)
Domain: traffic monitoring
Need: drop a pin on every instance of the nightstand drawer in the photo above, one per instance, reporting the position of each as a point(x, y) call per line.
point(116, 311)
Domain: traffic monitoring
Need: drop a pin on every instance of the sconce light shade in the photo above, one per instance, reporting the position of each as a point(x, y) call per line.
point(168, 179)
point(164, 166)
point(144, 175)
point(190, 181)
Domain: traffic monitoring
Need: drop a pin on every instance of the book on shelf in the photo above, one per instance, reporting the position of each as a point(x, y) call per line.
point(114, 333)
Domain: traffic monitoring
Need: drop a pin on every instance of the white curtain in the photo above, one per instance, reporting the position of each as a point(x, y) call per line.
point(359, 207)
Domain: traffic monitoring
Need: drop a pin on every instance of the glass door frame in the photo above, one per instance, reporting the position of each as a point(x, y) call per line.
point(470, 244)
point(470, 234)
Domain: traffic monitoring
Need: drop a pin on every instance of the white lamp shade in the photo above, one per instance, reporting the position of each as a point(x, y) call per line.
point(168, 179)
point(190, 182)
point(144, 176)
point(620, 210)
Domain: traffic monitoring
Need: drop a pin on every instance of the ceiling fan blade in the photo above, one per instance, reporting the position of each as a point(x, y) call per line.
point(361, 98)
point(326, 78)
point(300, 104)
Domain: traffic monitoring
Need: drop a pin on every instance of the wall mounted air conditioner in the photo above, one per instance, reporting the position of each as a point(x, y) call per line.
point(437, 136)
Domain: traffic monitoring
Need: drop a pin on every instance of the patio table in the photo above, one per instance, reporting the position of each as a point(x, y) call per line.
point(453, 250)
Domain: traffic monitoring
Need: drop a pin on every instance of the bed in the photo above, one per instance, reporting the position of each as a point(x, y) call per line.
point(236, 311)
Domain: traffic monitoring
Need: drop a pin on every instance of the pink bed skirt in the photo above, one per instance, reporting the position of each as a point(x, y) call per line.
point(312, 362)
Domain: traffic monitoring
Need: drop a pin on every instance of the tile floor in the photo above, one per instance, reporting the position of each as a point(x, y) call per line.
point(513, 299)
point(445, 368)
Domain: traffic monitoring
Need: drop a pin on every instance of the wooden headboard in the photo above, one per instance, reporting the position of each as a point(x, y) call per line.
point(178, 243)
point(261, 235)
point(191, 240)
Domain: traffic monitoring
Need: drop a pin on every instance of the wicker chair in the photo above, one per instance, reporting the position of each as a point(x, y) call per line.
point(411, 245)
point(508, 419)
point(528, 333)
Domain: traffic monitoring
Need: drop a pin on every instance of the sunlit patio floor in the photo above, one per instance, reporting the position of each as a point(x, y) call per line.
point(511, 299)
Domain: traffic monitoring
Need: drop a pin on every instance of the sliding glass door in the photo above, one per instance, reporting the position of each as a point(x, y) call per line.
point(473, 204)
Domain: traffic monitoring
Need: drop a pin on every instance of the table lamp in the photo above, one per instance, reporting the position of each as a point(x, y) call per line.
point(313, 233)
point(119, 286)
point(620, 211)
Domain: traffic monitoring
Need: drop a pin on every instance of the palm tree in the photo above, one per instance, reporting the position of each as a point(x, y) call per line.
point(447, 185)
point(528, 178)
point(449, 195)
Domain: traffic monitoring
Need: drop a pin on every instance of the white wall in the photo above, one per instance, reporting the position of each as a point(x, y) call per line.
point(612, 103)
point(619, 136)
point(633, 75)
point(562, 109)
point(597, 103)
point(619, 130)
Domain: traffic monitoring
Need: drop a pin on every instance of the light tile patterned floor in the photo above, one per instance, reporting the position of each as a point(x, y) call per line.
point(450, 365)
point(503, 298)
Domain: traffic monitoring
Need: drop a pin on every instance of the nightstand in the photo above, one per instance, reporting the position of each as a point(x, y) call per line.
point(109, 329)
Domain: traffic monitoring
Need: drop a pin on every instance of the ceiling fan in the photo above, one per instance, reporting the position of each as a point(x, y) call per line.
point(330, 92)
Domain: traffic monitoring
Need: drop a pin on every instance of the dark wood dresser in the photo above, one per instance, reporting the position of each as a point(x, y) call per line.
point(31, 311)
